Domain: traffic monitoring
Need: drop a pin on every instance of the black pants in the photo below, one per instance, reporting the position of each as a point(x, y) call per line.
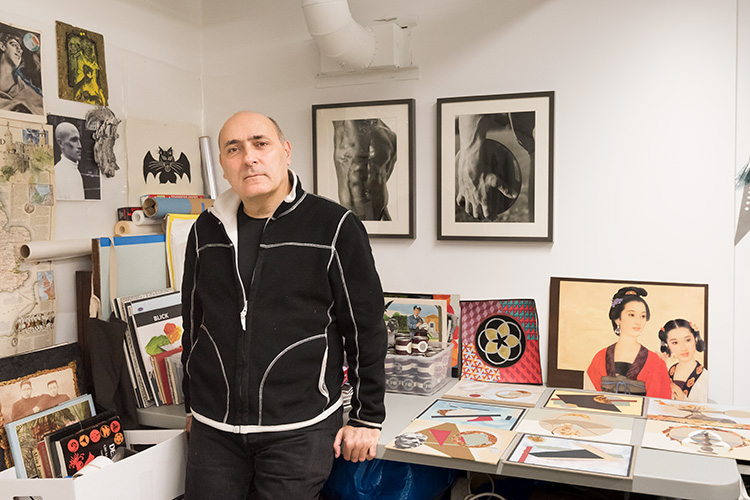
point(264, 466)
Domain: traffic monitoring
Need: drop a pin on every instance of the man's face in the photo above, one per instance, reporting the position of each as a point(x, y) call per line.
point(70, 146)
point(12, 50)
point(26, 391)
point(253, 157)
point(417, 311)
point(52, 389)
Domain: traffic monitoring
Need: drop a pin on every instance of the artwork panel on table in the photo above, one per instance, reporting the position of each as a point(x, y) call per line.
point(363, 159)
point(697, 439)
point(26, 433)
point(482, 415)
point(592, 321)
point(453, 440)
point(500, 341)
point(577, 425)
point(704, 414)
point(36, 381)
point(620, 404)
point(495, 167)
point(453, 328)
point(495, 393)
point(417, 316)
point(81, 65)
point(21, 95)
point(580, 456)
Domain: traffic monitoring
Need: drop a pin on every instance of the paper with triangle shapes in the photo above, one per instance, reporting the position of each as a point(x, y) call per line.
point(453, 440)
point(581, 456)
point(620, 404)
point(500, 341)
point(481, 415)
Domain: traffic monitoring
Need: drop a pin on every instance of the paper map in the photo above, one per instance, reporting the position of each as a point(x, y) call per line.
point(27, 297)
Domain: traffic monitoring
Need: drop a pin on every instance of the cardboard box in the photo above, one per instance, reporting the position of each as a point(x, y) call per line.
point(157, 473)
point(412, 374)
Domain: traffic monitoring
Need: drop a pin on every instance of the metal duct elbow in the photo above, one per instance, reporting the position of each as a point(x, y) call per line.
point(338, 35)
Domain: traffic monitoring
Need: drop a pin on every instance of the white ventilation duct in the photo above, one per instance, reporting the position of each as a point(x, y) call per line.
point(338, 35)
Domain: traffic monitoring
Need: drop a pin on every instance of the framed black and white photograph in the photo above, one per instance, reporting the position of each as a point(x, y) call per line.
point(495, 167)
point(363, 158)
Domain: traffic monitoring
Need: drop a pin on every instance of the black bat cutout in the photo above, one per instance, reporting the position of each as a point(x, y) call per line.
point(166, 168)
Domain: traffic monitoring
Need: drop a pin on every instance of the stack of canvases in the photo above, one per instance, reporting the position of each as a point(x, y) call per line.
point(153, 345)
point(51, 426)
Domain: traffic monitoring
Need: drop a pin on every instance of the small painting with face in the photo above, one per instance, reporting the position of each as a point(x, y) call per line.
point(680, 343)
point(76, 174)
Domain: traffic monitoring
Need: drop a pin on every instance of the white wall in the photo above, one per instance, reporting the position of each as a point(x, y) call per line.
point(644, 153)
point(153, 72)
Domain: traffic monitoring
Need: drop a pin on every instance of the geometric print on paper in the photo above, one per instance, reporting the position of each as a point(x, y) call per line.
point(500, 341)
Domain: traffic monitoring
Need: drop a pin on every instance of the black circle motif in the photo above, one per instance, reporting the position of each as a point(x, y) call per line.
point(500, 341)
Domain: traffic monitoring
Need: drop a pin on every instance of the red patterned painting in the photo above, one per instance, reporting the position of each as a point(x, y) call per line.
point(500, 341)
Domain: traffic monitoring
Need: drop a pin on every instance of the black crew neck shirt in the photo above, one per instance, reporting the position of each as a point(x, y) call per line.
point(249, 232)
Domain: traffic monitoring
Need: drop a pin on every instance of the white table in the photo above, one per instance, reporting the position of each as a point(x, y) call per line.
point(657, 472)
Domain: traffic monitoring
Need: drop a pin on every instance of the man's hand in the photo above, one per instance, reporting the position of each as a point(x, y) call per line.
point(356, 444)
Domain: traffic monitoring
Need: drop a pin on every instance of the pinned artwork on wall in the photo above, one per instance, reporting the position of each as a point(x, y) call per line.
point(21, 95)
point(81, 68)
point(500, 341)
point(590, 319)
point(103, 123)
point(76, 174)
point(164, 158)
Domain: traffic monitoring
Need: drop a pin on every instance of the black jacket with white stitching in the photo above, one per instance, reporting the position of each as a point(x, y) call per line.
point(272, 360)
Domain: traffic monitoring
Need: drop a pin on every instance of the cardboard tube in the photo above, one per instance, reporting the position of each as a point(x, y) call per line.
point(140, 219)
point(129, 228)
point(55, 250)
point(159, 206)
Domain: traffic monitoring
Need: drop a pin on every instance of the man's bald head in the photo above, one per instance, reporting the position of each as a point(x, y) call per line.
point(245, 114)
point(69, 140)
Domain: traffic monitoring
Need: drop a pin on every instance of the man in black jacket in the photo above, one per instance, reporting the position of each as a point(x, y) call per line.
point(278, 284)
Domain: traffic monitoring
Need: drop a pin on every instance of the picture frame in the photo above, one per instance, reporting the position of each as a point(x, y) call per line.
point(61, 363)
point(27, 101)
point(495, 157)
point(580, 327)
point(574, 455)
point(354, 138)
point(24, 434)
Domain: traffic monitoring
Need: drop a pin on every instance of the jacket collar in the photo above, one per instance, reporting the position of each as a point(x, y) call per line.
point(226, 205)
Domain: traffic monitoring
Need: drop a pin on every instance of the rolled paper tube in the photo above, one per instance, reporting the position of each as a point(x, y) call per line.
point(207, 167)
point(129, 228)
point(55, 250)
point(140, 219)
point(159, 206)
